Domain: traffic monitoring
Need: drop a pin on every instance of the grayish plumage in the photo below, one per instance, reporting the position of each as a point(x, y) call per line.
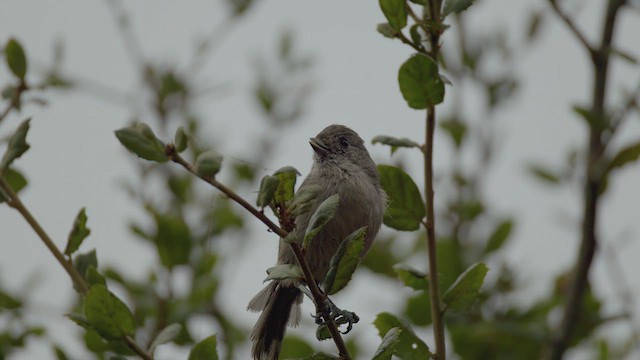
point(341, 165)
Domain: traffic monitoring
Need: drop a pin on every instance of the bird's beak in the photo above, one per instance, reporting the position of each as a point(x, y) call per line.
point(319, 147)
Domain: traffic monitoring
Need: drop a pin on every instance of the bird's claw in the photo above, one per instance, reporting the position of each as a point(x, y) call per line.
point(341, 317)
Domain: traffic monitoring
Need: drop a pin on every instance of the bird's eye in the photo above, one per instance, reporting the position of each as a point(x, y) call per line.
point(344, 142)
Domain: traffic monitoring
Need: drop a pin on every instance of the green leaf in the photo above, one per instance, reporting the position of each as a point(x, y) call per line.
point(167, 335)
point(180, 139)
point(395, 143)
point(15, 180)
point(304, 199)
point(544, 174)
point(172, 240)
point(456, 129)
point(325, 212)
point(94, 277)
point(205, 349)
point(499, 236)
point(395, 12)
point(284, 271)
point(386, 30)
point(268, 187)
point(295, 347)
point(465, 290)
point(416, 35)
point(592, 119)
point(420, 83)
point(287, 181)
point(322, 333)
point(389, 345)
point(78, 233)
point(82, 262)
point(534, 25)
point(455, 6)
point(208, 164)
point(8, 302)
point(80, 320)
point(410, 346)
point(17, 61)
point(345, 261)
point(108, 315)
point(60, 354)
point(625, 156)
point(17, 145)
point(140, 140)
point(406, 209)
point(411, 277)
point(416, 308)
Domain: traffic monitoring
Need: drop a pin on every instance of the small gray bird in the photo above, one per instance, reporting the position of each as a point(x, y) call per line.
point(341, 165)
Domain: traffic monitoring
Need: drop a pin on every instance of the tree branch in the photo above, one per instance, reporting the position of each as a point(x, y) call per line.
point(572, 26)
point(434, 283)
point(319, 298)
point(80, 284)
point(14, 201)
point(592, 184)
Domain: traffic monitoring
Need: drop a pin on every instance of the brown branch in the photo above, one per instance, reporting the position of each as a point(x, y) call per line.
point(319, 297)
point(417, 47)
point(434, 284)
point(572, 26)
point(592, 186)
point(14, 201)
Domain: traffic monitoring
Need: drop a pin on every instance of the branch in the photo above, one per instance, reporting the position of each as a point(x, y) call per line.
point(592, 186)
point(417, 47)
point(572, 27)
point(434, 284)
point(319, 297)
point(14, 201)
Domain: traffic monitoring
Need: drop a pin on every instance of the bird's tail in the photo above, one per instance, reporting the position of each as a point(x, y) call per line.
point(280, 305)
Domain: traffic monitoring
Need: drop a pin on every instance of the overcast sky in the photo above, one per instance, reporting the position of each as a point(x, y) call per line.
point(75, 161)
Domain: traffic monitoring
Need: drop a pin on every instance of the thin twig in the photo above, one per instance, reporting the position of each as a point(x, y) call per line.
point(434, 283)
point(319, 297)
point(132, 45)
point(417, 47)
point(592, 186)
point(572, 26)
point(14, 201)
point(208, 47)
point(415, 17)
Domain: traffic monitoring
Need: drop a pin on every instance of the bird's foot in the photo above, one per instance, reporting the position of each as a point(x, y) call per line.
point(329, 310)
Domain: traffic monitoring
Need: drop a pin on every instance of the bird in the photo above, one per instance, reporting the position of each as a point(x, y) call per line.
point(341, 165)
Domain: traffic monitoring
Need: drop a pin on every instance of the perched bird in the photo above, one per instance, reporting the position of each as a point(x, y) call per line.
point(341, 165)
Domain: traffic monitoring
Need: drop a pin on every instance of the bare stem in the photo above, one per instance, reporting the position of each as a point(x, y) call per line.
point(14, 201)
point(572, 26)
point(319, 297)
point(593, 180)
point(430, 225)
point(434, 283)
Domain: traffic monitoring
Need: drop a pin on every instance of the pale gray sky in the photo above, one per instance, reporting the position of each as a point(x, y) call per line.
point(75, 160)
